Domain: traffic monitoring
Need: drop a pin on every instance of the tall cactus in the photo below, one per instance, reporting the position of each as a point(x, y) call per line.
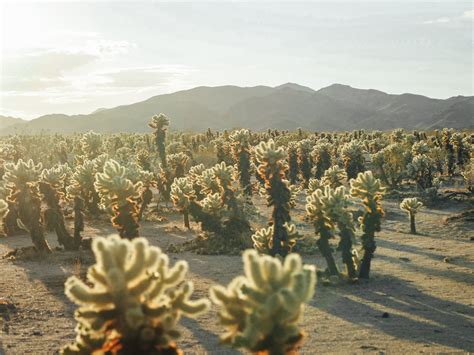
point(260, 310)
point(22, 180)
point(369, 189)
point(134, 303)
point(241, 150)
point(119, 195)
point(272, 168)
point(160, 125)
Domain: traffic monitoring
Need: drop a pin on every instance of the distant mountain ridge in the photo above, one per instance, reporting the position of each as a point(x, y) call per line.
point(288, 106)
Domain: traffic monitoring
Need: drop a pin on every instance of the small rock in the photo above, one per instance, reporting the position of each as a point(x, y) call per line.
point(447, 260)
point(405, 259)
point(385, 315)
point(37, 333)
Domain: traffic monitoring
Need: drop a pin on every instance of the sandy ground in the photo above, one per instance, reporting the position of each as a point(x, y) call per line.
point(425, 284)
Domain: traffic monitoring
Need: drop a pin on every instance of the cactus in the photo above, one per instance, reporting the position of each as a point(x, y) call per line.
point(323, 225)
point(335, 205)
point(449, 148)
point(3, 213)
point(272, 167)
point(82, 186)
point(51, 187)
point(260, 310)
point(304, 163)
point(22, 180)
point(292, 162)
point(353, 157)
point(91, 144)
point(322, 157)
point(334, 177)
point(392, 162)
point(263, 241)
point(131, 303)
point(241, 150)
point(119, 195)
point(468, 175)
point(182, 193)
point(411, 206)
point(146, 195)
point(369, 189)
point(177, 162)
point(421, 170)
point(160, 125)
point(314, 184)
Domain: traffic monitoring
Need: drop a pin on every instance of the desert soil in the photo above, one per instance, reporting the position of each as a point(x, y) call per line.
point(420, 298)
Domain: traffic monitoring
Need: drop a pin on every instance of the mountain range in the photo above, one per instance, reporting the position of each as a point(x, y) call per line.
point(288, 106)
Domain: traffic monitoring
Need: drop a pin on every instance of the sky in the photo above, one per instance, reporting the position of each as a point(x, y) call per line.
point(74, 57)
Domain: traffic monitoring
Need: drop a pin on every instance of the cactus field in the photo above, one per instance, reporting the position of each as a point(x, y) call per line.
point(222, 242)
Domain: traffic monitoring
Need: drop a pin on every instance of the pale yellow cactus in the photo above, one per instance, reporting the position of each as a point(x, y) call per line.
point(334, 177)
point(367, 187)
point(262, 239)
point(54, 176)
point(182, 192)
point(225, 173)
point(313, 185)
point(131, 298)
point(269, 156)
point(212, 204)
point(3, 213)
point(261, 309)
point(91, 144)
point(22, 173)
point(411, 206)
point(159, 121)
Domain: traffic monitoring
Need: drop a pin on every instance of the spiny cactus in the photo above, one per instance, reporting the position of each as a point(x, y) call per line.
point(51, 187)
point(353, 157)
point(336, 203)
point(182, 193)
point(260, 310)
point(369, 189)
point(263, 238)
point(91, 144)
point(131, 303)
point(242, 150)
point(3, 213)
point(392, 162)
point(160, 125)
point(292, 162)
point(119, 195)
point(411, 206)
point(148, 181)
point(304, 162)
point(323, 226)
point(448, 146)
point(177, 162)
point(272, 168)
point(22, 180)
point(421, 170)
point(314, 184)
point(82, 186)
point(334, 177)
point(322, 157)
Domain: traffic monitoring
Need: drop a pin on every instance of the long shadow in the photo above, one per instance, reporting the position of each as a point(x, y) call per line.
point(437, 321)
point(207, 339)
point(449, 274)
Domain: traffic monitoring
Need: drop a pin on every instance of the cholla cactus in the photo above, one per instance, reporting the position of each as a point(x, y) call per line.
point(322, 157)
point(260, 310)
point(177, 162)
point(314, 184)
point(411, 206)
point(392, 162)
point(272, 167)
point(304, 163)
point(51, 186)
point(242, 150)
point(148, 181)
point(160, 124)
point(336, 203)
point(182, 193)
point(421, 170)
point(323, 225)
point(133, 305)
point(448, 146)
point(369, 189)
point(3, 213)
point(468, 175)
point(82, 186)
point(263, 241)
point(460, 145)
point(420, 148)
point(91, 144)
point(353, 157)
point(119, 195)
point(334, 177)
point(22, 181)
point(292, 162)
point(223, 151)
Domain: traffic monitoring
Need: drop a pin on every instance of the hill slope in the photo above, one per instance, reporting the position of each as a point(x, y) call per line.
point(336, 107)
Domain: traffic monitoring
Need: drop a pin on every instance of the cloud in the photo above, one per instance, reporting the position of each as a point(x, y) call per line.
point(466, 16)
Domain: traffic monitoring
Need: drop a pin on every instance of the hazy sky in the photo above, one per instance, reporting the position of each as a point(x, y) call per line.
point(71, 57)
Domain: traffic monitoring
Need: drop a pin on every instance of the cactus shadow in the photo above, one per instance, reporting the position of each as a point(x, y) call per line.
point(207, 339)
point(412, 314)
